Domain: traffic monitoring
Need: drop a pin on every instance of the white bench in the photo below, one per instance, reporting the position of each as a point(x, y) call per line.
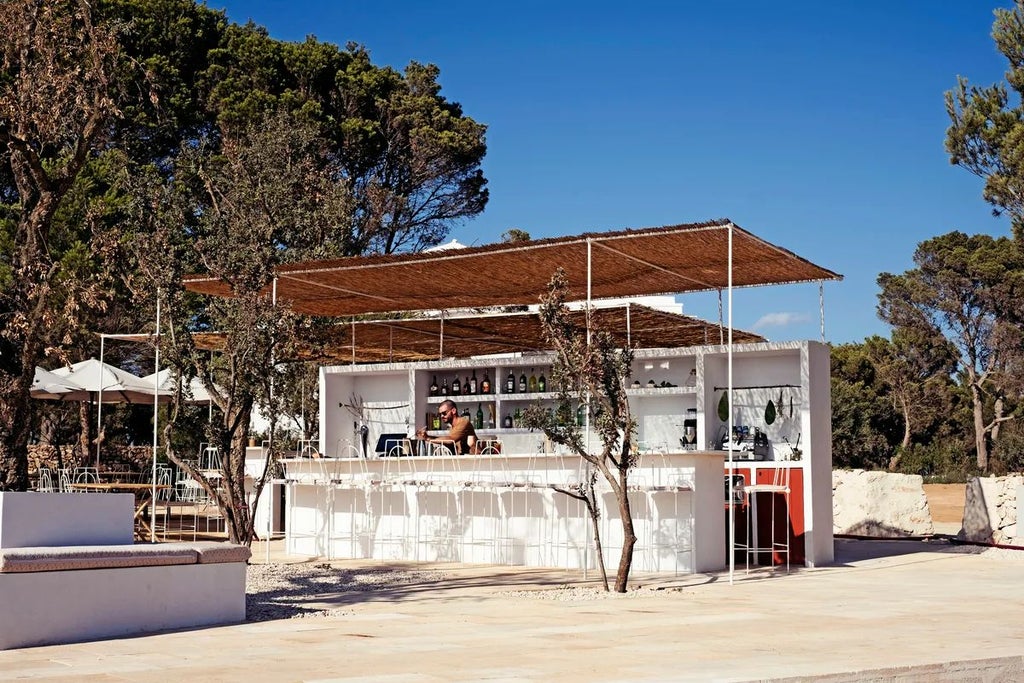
point(70, 572)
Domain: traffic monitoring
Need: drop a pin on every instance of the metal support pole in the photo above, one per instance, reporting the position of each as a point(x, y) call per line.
point(156, 421)
point(729, 427)
point(99, 407)
point(821, 307)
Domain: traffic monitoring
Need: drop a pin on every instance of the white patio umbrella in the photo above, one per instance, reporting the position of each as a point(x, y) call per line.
point(47, 385)
point(104, 383)
point(165, 382)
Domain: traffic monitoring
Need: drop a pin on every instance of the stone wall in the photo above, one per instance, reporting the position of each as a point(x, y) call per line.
point(991, 510)
point(879, 504)
point(114, 457)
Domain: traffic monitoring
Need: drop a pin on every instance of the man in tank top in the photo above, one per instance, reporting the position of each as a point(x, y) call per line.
point(461, 436)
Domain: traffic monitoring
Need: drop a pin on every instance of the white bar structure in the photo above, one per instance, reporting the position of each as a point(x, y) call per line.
point(503, 507)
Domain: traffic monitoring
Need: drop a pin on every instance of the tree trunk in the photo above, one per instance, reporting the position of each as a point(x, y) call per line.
point(590, 498)
point(979, 427)
point(14, 433)
point(85, 432)
point(628, 534)
point(16, 375)
point(905, 407)
point(231, 495)
point(997, 419)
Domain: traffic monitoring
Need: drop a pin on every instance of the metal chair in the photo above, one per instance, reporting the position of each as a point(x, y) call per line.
point(209, 457)
point(64, 479)
point(84, 475)
point(771, 493)
point(45, 482)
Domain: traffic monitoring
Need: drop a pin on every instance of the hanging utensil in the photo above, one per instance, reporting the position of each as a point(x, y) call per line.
point(791, 406)
point(769, 412)
point(723, 407)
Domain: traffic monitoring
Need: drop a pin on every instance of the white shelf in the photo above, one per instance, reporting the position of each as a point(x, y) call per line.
point(483, 398)
point(660, 391)
point(530, 396)
point(491, 431)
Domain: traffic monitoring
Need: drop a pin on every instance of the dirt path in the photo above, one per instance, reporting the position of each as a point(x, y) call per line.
point(946, 502)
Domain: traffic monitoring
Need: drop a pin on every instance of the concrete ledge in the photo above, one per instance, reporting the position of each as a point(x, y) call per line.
point(76, 557)
point(69, 572)
point(211, 552)
point(42, 608)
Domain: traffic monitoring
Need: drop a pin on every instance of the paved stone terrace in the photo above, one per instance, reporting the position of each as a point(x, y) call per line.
point(887, 610)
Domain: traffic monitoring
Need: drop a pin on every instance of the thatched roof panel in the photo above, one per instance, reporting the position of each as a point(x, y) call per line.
point(628, 263)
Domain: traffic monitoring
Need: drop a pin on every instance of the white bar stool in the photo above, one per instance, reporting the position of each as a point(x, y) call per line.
point(774, 546)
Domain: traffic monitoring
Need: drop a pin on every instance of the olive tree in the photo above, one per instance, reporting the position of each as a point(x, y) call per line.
point(240, 202)
point(590, 369)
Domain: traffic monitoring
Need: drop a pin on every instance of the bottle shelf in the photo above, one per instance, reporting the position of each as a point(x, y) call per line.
point(490, 431)
point(552, 395)
point(529, 396)
point(461, 398)
point(660, 391)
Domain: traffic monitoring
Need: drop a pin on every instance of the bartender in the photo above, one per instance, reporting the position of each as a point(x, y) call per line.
point(461, 434)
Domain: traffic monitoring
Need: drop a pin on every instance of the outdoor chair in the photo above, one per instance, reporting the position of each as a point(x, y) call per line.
point(209, 457)
point(45, 482)
point(776, 494)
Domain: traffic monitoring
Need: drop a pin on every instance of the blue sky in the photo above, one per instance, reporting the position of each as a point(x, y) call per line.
point(818, 126)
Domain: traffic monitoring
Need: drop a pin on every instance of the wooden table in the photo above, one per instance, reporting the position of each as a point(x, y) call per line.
point(143, 497)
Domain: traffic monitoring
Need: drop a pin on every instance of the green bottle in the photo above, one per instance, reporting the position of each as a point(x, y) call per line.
point(479, 417)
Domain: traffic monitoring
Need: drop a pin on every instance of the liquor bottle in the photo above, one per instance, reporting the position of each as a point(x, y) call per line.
point(523, 385)
point(542, 384)
point(479, 417)
point(485, 385)
point(508, 421)
point(510, 383)
point(444, 386)
point(433, 386)
point(456, 386)
point(465, 413)
point(579, 415)
point(472, 384)
point(533, 382)
point(517, 417)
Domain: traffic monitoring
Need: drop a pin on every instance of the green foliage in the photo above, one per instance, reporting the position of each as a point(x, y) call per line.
point(1008, 451)
point(865, 429)
point(118, 117)
point(965, 294)
point(986, 134)
point(938, 461)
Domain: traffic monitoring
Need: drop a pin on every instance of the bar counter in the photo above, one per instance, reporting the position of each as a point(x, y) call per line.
point(504, 509)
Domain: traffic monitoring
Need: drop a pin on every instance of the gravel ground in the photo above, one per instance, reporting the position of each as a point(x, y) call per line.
point(287, 591)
